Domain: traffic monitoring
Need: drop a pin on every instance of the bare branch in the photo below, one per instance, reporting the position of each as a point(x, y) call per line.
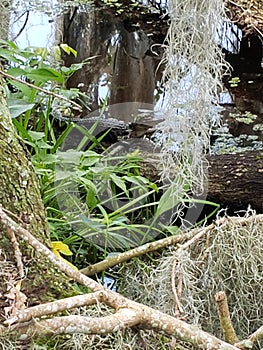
point(55, 306)
point(133, 313)
point(190, 237)
point(252, 340)
point(146, 248)
point(42, 249)
point(122, 319)
point(224, 317)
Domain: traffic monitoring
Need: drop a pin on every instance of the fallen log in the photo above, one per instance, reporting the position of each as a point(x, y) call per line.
point(235, 181)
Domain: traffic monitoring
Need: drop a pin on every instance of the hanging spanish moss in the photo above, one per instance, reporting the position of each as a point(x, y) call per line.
point(192, 76)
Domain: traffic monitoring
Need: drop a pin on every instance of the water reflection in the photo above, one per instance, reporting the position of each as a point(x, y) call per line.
point(126, 51)
point(32, 23)
point(124, 67)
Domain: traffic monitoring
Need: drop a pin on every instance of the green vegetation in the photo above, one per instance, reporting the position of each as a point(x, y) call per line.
point(246, 118)
point(97, 204)
point(234, 81)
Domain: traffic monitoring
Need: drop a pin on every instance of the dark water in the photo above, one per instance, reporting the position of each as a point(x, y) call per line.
point(122, 46)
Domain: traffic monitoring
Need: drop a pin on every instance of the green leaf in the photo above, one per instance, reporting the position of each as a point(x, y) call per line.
point(43, 145)
point(119, 182)
point(18, 107)
point(91, 199)
point(26, 91)
point(91, 223)
point(68, 49)
point(88, 183)
point(62, 175)
point(174, 230)
point(48, 159)
point(70, 157)
point(36, 135)
point(167, 201)
point(8, 43)
point(16, 72)
point(9, 56)
point(44, 74)
point(73, 68)
point(40, 51)
point(89, 161)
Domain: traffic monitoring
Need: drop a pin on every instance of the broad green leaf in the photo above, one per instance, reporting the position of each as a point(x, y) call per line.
point(26, 91)
point(9, 56)
point(43, 145)
point(71, 69)
point(62, 175)
point(18, 107)
point(89, 161)
point(167, 201)
point(16, 72)
point(70, 156)
point(36, 135)
point(48, 158)
point(88, 183)
point(44, 74)
point(91, 199)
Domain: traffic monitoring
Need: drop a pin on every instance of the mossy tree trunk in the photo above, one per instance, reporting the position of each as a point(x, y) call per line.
point(19, 188)
point(20, 195)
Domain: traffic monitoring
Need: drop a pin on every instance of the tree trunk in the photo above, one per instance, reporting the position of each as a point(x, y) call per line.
point(19, 188)
point(22, 269)
point(4, 18)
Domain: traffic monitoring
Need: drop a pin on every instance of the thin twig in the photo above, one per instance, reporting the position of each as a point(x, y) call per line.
point(23, 26)
point(178, 308)
point(13, 215)
point(47, 92)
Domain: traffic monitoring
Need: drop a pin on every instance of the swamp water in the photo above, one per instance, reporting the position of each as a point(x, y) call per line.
point(123, 50)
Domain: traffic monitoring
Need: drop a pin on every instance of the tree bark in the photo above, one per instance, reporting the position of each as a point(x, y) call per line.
point(19, 188)
point(236, 180)
point(24, 272)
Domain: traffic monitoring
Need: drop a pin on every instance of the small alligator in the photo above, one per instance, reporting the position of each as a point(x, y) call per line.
point(105, 122)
